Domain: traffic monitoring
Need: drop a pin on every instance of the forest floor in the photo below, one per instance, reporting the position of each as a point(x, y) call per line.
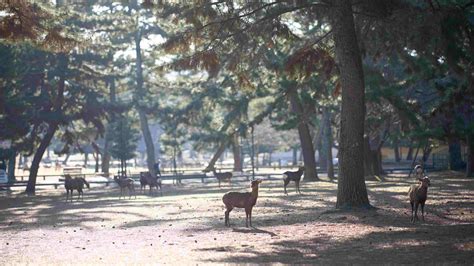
point(186, 226)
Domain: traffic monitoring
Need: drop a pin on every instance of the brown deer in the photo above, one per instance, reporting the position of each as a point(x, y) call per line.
point(224, 176)
point(125, 182)
point(293, 176)
point(76, 183)
point(147, 179)
point(418, 195)
point(244, 200)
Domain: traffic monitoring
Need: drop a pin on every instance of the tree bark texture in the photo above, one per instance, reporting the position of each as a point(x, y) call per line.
point(236, 152)
point(150, 148)
point(310, 173)
point(325, 156)
point(352, 191)
point(396, 150)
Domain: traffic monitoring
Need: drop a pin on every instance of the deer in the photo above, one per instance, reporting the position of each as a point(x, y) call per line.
point(222, 176)
point(147, 179)
point(244, 200)
point(72, 184)
point(418, 195)
point(125, 182)
point(419, 171)
point(293, 176)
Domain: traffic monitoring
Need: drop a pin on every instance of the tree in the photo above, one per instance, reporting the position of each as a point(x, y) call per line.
point(351, 190)
point(124, 139)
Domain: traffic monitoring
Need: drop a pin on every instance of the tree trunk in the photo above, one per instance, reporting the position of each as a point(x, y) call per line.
point(352, 191)
point(11, 166)
point(368, 169)
point(150, 148)
point(236, 152)
point(216, 156)
point(410, 151)
point(455, 158)
point(295, 156)
point(52, 127)
point(396, 150)
point(86, 159)
point(31, 186)
point(106, 153)
point(470, 156)
point(66, 159)
point(310, 173)
point(327, 141)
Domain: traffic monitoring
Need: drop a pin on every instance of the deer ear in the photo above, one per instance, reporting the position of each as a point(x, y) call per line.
point(420, 179)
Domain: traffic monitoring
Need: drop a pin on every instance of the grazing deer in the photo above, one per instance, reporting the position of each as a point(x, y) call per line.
point(418, 195)
point(244, 200)
point(76, 183)
point(222, 176)
point(125, 182)
point(293, 176)
point(147, 179)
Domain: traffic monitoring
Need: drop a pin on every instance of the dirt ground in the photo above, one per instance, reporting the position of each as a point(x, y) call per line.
point(186, 226)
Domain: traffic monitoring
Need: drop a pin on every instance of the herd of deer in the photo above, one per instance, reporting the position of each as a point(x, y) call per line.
point(246, 200)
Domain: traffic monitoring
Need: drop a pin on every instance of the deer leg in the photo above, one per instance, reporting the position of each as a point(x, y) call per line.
point(416, 211)
point(412, 211)
point(227, 212)
point(247, 211)
point(422, 210)
point(297, 185)
point(250, 217)
point(286, 181)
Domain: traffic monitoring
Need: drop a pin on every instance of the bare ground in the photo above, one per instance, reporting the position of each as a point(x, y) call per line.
point(186, 226)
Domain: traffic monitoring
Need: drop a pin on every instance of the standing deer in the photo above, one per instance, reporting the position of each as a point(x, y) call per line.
point(241, 200)
point(222, 176)
point(125, 182)
point(418, 195)
point(76, 183)
point(147, 179)
point(293, 176)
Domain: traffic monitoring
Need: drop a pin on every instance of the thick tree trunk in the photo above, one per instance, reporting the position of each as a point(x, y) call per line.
point(310, 173)
point(216, 156)
point(470, 156)
point(52, 127)
point(455, 158)
point(150, 148)
point(236, 152)
point(352, 191)
point(31, 186)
